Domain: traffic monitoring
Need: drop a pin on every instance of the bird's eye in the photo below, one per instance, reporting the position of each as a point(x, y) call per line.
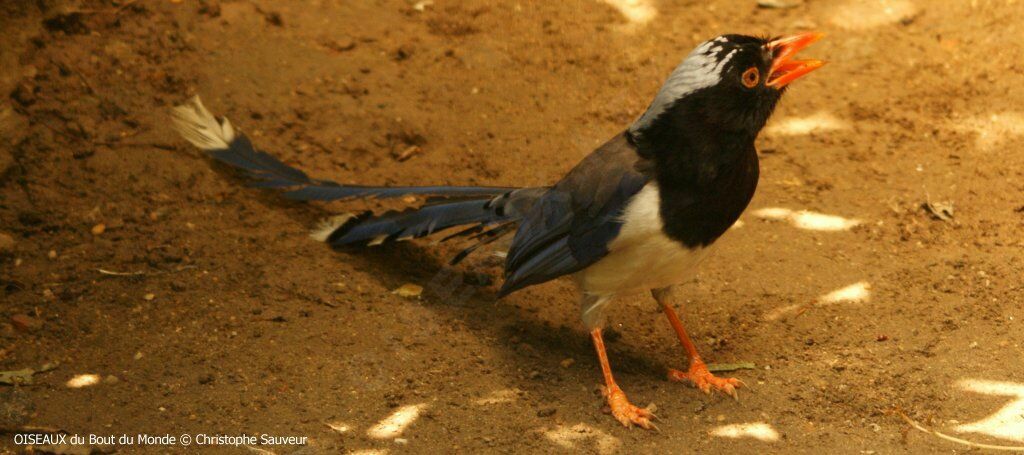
point(751, 77)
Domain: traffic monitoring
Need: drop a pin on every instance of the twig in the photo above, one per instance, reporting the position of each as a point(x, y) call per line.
point(720, 367)
point(30, 429)
point(957, 440)
point(111, 272)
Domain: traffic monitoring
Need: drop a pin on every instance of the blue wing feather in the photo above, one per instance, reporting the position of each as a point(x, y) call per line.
point(571, 226)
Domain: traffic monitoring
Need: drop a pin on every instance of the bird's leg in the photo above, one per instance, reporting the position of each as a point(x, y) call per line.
point(698, 372)
point(622, 409)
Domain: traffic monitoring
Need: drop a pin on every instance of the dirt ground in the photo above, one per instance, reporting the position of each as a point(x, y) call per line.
point(201, 306)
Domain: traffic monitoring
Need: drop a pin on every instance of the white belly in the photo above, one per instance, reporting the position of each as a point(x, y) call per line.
point(642, 257)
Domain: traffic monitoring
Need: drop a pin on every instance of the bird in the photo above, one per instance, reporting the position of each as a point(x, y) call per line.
point(636, 215)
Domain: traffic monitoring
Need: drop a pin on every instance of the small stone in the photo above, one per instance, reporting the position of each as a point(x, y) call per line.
point(206, 379)
point(98, 229)
point(149, 297)
point(546, 412)
point(137, 356)
point(6, 243)
point(534, 374)
point(111, 379)
point(52, 254)
point(26, 323)
point(339, 45)
point(567, 362)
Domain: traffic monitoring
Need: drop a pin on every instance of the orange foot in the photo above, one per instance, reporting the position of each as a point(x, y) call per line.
point(626, 413)
point(704, 380)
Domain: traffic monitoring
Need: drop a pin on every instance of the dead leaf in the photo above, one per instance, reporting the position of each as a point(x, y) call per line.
point(942, 211)
point(24, 376)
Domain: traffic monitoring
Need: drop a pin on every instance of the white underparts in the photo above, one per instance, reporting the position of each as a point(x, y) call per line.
point(641, 258)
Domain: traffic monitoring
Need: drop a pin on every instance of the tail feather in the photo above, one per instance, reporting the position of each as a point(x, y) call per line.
point(490, 212)
point(218, 138)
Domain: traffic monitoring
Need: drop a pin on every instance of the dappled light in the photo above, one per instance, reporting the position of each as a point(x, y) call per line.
point(854, 293)
point(83, 380)
point(798, 126)
point(396, 423)
point(579, 437)
point(637, 12)
point(1008, 421)
point(994, 129)
point(869, 14)
point(758, 430)
point(808, 220)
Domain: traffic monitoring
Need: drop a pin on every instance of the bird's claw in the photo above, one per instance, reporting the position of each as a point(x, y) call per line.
point(626, 413)
point(700, 377)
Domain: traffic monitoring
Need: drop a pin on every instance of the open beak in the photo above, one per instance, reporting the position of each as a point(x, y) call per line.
point(785, 68)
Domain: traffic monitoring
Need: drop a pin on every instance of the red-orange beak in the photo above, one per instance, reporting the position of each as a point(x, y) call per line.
point(785, 69)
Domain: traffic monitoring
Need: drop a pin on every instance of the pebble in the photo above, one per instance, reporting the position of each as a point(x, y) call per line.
point(567, 362)
point(98, 229)
point(52, 254)
point(111, 379)
point(26, 323)
point(149, 297)
point(546, 412)
point(6, 243)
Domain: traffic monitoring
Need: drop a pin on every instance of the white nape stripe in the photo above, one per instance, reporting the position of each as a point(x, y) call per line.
point(329, 225)
point(198, 126)
point(701, 69)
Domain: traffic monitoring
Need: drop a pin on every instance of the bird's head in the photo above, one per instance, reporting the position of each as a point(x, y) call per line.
point(728, 85)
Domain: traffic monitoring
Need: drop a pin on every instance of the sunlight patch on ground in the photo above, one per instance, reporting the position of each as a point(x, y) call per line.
point(781, 311)
point(1007, 422)
point(637, 12)
point(867, 14)
point(799, 126)
point(803, 219)
point(573, 438)
point(854, 293)
point(83, 380)
point(994, 129)
point(758, 430)
point(394, 424)
point(498, 397)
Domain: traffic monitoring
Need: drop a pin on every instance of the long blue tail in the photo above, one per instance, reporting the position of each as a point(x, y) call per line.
point(493, 211)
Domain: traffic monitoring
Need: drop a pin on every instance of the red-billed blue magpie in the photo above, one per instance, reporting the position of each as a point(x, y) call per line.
point(636, 215)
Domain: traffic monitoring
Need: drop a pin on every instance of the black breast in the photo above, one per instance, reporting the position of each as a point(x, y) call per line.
point(700, 203)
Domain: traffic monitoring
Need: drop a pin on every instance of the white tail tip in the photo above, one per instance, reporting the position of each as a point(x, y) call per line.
point(329, 225)
point(198, 126)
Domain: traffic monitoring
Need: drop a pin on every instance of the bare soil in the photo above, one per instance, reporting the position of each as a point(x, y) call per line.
point(223, 317)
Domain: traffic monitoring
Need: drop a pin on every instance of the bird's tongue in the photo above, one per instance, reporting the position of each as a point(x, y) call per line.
point(785, 68)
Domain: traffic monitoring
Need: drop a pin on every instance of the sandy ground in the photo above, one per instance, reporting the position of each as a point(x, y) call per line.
point(202, 307)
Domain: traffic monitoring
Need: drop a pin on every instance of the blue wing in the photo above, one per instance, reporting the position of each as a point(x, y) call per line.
point(570, 226)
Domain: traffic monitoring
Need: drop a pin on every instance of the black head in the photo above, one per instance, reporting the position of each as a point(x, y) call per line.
point(727, 87)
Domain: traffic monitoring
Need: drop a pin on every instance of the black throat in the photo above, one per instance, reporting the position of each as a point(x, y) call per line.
point(706, 176)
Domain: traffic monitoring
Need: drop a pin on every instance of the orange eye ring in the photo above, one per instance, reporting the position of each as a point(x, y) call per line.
point(751, 77)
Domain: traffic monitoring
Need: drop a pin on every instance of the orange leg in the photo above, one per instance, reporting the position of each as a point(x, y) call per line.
point(698, 372)
point(622, 409)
